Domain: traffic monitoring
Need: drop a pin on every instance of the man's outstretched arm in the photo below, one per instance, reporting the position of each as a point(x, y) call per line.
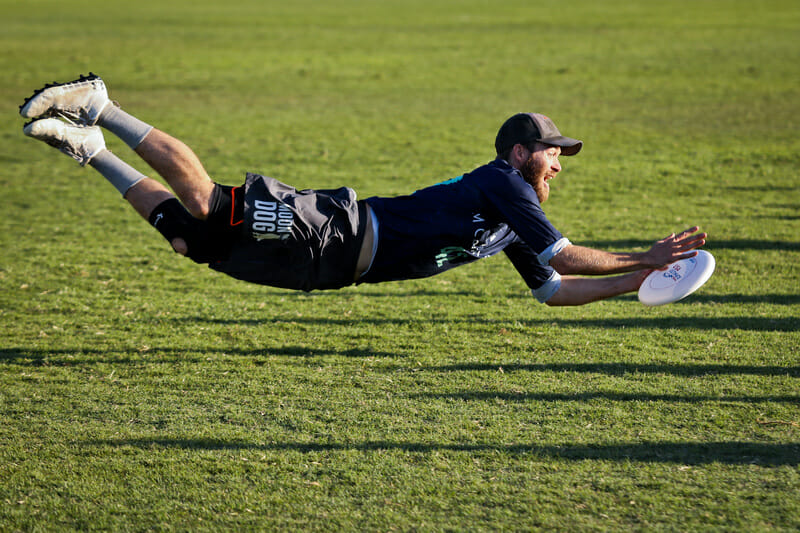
point(588, 261)
point(580, 291)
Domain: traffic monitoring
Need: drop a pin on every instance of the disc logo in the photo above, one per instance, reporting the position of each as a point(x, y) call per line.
point(673, 273)
point(272, 220)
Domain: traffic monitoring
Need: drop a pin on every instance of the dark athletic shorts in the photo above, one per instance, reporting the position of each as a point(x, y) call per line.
point(292, 239)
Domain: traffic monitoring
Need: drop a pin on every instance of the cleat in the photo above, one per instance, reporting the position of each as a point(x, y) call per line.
point(80, 143)
point(79, 101)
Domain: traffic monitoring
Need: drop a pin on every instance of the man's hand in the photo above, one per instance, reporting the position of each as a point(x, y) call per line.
point(580, 260)
point(674, 248)
point(588, 261)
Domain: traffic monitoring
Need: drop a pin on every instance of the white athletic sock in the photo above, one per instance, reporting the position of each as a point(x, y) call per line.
point(115, 170)
point(127, 127)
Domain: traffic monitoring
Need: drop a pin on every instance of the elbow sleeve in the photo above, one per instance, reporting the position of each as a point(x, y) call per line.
point(549, 288)
point(553, 250)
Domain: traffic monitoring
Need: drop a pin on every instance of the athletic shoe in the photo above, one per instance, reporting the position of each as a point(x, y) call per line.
point(79, 101)
point(80, 143)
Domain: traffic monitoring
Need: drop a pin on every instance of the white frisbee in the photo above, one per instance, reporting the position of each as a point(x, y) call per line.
point(680, 280)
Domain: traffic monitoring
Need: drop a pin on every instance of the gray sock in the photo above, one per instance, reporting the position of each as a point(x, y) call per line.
point(127, 127)
point(118, 172)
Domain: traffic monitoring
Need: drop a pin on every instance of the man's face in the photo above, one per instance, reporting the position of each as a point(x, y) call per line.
point(540, 167)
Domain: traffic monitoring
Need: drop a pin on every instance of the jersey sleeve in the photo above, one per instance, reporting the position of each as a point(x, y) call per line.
point(542, 280)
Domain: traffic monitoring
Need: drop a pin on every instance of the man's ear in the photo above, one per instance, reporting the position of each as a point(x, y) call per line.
point(518, 154)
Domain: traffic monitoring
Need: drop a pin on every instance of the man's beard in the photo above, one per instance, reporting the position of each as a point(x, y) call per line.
point(534, 172)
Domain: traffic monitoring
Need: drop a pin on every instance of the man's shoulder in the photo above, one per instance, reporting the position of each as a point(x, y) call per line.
point(481, 177)
point(498, 166)
point(498, 177)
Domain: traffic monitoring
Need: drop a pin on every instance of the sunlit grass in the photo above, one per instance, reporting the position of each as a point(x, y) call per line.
point(141, 391)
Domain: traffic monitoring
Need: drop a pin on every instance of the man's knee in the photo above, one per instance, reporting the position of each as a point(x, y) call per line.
point(211, 201)
point(198, 206)
point(200, 202)
point(180, 246)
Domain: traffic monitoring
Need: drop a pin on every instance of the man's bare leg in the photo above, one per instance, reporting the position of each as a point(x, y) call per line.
point(147, 195)
point(181, 168)
point(170, 157)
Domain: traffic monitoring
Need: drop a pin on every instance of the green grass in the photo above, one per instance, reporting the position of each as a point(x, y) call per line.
point(139, 391)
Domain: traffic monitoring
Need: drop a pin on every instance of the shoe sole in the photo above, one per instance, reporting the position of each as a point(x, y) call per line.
point(37, 92)
point(59, 139)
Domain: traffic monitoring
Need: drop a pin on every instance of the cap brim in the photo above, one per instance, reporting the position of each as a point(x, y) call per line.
point(568, 146)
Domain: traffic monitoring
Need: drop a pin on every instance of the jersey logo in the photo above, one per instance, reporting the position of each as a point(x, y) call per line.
point(477, 218)
point(450, 254)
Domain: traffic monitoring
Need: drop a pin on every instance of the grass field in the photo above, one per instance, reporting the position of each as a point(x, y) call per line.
point(139, 391)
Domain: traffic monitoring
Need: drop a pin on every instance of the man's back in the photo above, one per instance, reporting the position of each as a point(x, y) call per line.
point(455, 222)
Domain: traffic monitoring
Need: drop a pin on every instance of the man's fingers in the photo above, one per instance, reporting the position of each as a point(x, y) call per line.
point(677, 258)
point(689, 231)
point(677, 247)
point(694, 242)
point(684, 235)
point(690, 238)
point(690, 234)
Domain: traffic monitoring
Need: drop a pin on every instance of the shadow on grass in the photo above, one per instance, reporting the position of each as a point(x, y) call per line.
point(760, 188)
point(620, 369)
point(79, 356)
point(773, 299)
point(600, 395)
point(434, 293)
point(713, 244)
point(748, 323)
point(736, 453)
point(82, 356)
point(371, 292)
point(745, 323)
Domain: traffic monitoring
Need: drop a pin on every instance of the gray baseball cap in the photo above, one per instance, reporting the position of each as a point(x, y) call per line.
point(524, 128)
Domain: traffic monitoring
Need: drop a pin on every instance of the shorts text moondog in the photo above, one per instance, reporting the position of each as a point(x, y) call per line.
point(272, 220)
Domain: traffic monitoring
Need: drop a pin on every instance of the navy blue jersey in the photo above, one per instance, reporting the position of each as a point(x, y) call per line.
point(464, 219)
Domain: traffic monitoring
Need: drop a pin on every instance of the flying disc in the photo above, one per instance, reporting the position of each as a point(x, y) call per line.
point(678, 281)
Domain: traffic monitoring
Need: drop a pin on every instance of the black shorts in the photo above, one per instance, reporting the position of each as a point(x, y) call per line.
point(292, 239)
